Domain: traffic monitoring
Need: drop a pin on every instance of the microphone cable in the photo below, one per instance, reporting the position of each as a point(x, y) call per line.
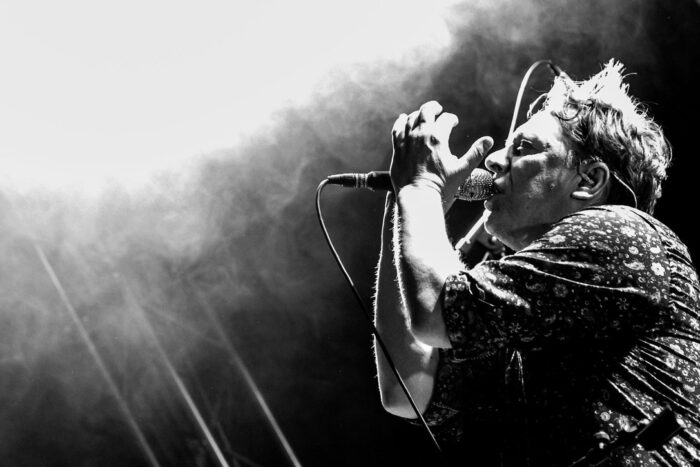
point(370, 321)
point(526, 79)
point(365, 311)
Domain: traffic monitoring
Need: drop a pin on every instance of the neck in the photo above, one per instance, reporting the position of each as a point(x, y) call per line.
point(519, 239)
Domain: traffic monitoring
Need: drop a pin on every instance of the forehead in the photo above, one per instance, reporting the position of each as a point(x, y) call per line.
point(543, 128)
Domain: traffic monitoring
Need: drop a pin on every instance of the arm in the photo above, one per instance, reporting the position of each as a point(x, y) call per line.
point(425, 258)
point(424, 173)
point(416, 362)
point(413, 340)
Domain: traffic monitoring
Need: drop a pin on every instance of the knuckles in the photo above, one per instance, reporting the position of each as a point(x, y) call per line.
point(413, 130)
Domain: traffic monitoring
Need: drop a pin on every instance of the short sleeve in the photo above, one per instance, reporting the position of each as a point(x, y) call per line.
point(595, 276)
point(597, 320)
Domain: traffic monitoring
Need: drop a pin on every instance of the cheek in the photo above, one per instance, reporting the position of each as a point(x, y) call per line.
point(527, 175)
point(543, 184)
point(536, 188)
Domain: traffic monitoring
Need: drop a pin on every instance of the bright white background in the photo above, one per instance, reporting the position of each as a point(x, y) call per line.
point(95, 90)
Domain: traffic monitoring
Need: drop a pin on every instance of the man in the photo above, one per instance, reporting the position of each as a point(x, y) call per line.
point(587, 330)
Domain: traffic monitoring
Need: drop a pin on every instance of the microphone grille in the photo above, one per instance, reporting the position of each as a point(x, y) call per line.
point(478, 186)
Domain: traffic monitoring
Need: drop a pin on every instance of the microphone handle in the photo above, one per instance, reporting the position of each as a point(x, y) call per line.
point(476, 187)
point(376, 180)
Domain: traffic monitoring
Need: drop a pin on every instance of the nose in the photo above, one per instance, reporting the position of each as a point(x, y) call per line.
point(497, 162)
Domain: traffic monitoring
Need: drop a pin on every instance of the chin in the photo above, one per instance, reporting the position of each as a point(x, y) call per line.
point(491, 222)
point(495, 225)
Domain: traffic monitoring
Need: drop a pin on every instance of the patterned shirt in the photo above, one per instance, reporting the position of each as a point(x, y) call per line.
point(581, 336)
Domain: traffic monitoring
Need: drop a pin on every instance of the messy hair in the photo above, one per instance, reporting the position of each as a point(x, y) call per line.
point(603, 123)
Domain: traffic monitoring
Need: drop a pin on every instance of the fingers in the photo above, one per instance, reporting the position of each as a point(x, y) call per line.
point(428, 112)
point(475, 154)
point(428, 115)
point(397, 132)
point(443, 127)
point(411, 122)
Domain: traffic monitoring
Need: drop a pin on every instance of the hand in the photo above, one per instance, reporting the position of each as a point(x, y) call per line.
point(422, 155)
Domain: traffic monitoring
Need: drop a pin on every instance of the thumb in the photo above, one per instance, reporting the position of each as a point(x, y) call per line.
point(475, 154)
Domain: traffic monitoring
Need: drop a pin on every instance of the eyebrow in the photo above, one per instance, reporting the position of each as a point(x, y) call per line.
point(531, 138)
point(510, 140)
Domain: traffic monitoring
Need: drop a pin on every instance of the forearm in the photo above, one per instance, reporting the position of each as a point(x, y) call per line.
point(425, 260)
point(415, 361)
point(423, 169)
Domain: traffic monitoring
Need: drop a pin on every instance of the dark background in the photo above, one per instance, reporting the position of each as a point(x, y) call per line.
point(234, 249)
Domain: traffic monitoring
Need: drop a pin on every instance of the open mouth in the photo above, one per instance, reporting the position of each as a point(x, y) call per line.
point(496, 189)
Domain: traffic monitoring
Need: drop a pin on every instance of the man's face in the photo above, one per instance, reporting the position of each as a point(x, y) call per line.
point(533, 179)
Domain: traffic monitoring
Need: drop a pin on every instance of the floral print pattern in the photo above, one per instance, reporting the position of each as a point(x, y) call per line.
point(586, 333)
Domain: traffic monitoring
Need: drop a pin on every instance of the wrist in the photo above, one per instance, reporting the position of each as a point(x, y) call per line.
point(429, 181)
point(421, 194)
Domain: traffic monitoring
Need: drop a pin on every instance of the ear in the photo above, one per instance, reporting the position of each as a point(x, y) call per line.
point(595, 178)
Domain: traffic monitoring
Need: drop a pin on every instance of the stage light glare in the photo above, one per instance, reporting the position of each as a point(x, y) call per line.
point(95, 91)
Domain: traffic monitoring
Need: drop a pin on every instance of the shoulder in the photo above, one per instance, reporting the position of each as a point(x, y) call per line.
point(613, 219)
point(613, 246)
point(622, 225)
point(604, 228)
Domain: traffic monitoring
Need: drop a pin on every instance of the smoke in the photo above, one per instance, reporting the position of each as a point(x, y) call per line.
point(137, 265)
point(233, 231)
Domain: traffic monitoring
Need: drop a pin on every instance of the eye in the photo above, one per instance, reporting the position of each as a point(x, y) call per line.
point(522, 145)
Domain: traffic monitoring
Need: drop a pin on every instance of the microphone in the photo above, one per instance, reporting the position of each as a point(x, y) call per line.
point(478, 186)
